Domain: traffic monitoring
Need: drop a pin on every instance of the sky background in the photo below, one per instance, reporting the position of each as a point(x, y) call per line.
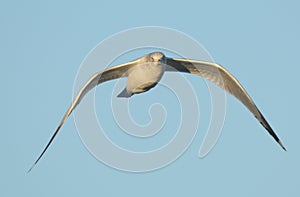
point(43, 44)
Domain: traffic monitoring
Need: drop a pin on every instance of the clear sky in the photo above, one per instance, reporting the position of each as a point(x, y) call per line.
point(43, 45)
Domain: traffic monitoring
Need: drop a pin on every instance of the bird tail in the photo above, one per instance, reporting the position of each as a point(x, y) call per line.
point(125, 94)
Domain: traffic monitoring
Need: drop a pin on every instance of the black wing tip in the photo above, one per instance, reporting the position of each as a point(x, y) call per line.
point(265, 124)
point(28, 171)
point(47, 146)
point(31, 168)
point(282, 146)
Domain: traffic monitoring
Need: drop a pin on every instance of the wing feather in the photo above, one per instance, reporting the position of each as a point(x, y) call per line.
point(222, 78)
point(98, 78)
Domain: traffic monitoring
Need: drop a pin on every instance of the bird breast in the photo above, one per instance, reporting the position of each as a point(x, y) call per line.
point(144, 75)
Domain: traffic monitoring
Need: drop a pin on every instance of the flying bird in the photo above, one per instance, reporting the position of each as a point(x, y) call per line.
point(144, 73)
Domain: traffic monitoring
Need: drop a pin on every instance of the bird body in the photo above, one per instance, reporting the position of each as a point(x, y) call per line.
point(143, 77)
point(144, 73)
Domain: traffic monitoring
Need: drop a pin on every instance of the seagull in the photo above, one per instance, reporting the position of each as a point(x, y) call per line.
point(144, 73)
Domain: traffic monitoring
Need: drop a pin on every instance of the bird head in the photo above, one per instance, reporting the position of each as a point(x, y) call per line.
point(157, 57)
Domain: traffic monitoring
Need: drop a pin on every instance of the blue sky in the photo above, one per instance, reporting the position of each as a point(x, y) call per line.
point(43, 45)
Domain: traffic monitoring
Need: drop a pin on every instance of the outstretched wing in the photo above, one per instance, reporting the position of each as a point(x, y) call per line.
point(221, 77)
point(99, 77)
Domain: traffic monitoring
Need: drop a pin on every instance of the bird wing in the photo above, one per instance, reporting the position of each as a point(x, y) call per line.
point(222, 78)
point(98, 78)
